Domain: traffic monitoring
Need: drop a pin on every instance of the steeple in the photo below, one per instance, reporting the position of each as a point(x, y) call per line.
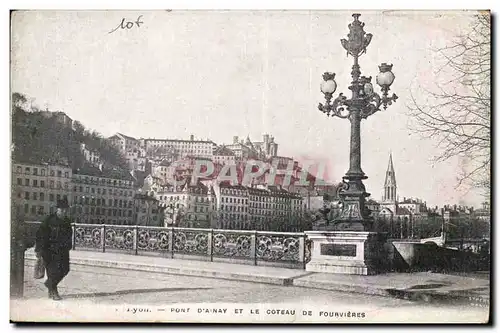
point(390, 182)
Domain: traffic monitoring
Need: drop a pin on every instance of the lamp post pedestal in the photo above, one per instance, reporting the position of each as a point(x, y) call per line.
point(347, 252)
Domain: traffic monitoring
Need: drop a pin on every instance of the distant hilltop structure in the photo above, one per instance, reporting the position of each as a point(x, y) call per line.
point(264, 149)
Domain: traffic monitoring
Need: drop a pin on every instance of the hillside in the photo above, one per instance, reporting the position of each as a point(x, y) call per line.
point(38, 138)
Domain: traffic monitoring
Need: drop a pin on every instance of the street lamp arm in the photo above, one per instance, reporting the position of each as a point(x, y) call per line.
point(335, 108)
point(373, 104)
point(388, 100)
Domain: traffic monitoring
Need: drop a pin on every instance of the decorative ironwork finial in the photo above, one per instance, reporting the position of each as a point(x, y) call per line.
point(357, 40)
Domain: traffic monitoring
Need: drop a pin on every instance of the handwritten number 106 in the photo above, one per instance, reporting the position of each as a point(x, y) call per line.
point(128, 25)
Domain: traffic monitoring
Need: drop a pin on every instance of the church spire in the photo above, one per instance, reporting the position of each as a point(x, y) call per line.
point(390, 182)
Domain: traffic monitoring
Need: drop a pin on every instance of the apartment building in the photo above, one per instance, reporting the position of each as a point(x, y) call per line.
point(103, 196)
point(37, 187)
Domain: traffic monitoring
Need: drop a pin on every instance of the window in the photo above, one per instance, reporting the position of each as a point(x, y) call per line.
point(26, 208)
point(35, 183)
point(52, 173)
point(59, 173)
point(42, 172)
point(35, 171)
point(35, 196)
point(42, 183)
point(42, 196)
point(27, 170)
point(26, 195)
point(26, 182)
point(104, 191)
point(66, 174)
point(40, 210)
point(33, 210)
point(51, 197)
point(19, 181)
point(51, 184)
point(59, 186)
point(19, 169)
point(58, 197)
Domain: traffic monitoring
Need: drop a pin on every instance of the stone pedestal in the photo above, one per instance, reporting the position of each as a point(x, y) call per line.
point(347, 252)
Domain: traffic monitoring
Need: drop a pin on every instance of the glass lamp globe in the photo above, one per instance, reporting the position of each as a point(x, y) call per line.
point(368, 89)
point(385, 78)
point(328, 86)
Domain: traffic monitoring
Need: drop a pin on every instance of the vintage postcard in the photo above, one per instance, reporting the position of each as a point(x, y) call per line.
point(250, 166)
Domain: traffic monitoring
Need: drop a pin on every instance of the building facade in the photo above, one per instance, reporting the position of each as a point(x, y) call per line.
point(223, 156)
point(91, 155)
point(414, 206)
point(232, 206)
point(147, 211)
point(37, 187)
point(124, 142)
point(258, 207)
point(103, 196)
point(183, 148)
point(190, 206)
point(247, 149)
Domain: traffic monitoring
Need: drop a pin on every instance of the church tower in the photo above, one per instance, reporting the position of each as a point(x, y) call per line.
point(390, 188)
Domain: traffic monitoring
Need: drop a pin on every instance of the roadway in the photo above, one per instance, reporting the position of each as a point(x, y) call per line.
point(108, 286)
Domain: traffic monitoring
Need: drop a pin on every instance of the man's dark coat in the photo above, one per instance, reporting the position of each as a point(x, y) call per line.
point(54, 240)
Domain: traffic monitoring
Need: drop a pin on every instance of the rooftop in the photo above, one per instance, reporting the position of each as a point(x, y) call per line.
point(223, 151)
point(179, 140)
point(112, 173)
point(141, 196)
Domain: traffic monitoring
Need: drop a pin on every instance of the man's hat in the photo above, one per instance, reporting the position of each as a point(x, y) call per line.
point(62, 203)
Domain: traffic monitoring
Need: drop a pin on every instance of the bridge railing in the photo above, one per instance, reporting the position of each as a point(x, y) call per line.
point(290, 249)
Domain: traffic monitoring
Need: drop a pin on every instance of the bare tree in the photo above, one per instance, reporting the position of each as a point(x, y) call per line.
point(457, 111)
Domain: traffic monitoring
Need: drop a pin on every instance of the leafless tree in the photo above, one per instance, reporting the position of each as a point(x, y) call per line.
point(457, 111)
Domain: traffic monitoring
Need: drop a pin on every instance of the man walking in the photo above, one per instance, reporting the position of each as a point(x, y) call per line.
point(53, 243)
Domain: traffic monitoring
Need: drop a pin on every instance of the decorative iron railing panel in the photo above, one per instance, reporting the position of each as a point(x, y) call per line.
point(271, 247)
point(231, 244)
point(191, 241)
point(251, 246)
point(119, 237)
point(153, 239)
point(87, 236)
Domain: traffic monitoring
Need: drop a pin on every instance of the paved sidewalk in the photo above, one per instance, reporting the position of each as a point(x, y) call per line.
point(422, 286)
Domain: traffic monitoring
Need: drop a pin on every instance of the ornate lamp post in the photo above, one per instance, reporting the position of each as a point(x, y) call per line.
point(363, 103)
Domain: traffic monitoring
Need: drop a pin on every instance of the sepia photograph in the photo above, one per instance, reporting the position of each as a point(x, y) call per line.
point(250, 166)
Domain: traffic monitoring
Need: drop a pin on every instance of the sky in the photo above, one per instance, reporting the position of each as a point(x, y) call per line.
point(217, 74)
